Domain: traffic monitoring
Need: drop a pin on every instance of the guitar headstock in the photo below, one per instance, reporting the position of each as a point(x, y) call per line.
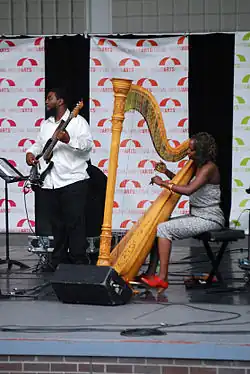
point(77, 108)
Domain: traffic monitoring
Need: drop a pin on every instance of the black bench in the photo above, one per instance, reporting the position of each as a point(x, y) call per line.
point(222, 237)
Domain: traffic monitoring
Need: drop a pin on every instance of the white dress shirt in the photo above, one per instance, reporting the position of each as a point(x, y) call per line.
point(69, 159)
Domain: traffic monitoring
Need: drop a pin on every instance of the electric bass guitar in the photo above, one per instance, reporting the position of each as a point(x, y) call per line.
point(39, 171)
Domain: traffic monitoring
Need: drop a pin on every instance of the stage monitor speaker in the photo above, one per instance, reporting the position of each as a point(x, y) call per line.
point(89, 284)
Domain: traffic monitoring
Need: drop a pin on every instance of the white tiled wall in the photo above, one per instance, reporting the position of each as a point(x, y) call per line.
point(167, 16)
point(28, 17)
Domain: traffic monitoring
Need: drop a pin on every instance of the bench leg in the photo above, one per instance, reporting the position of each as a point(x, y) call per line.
point(215, 261)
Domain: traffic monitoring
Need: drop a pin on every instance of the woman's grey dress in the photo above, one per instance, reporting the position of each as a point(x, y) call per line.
point(205, 214)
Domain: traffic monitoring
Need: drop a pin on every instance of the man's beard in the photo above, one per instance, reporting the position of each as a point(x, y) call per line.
point(50, 113)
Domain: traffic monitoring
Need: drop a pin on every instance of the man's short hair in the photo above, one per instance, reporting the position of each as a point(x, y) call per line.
point(61, 93)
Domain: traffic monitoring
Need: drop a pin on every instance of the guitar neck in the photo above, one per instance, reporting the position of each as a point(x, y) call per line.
point(62, 126)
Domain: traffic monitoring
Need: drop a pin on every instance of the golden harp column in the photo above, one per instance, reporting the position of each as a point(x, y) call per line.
point(121, 88)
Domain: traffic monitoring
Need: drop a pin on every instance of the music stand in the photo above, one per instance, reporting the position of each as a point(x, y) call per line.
point(10, 175)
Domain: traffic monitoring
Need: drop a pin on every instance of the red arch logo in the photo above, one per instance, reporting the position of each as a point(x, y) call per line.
point(173, 60)
point(134, 61)
point(142, 203)
point(11, 203)
point(141, 42)
point(115, 204)
point(103, 81)
point(102, 163)
point(125, 142)
point(38, 122)
point(152, 82)
point(126, 181)
point(142, 163)
point(182, 81)
point(8, 42)
point(168, 100)
point(39, 81)
point(126, 223)
point(25, 100)
point(175, 143)
point(182, 163)
point(96, 61)
point(10, 122)
point(13, 163)
point(38, 41)
point(97, 144)
point(103, 121)
point(107, 41)
point(182, 204)
point(95, 102)
point(31, 61)
point(25, 141)
point(181, 39)
point(10, 82)
point(24, 220)
point(182, 122)
point(141, 123)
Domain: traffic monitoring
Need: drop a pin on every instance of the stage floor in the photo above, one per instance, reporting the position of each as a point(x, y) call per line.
point(204, 324)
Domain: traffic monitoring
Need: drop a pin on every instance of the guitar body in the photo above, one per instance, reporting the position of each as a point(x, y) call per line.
point(40, 170)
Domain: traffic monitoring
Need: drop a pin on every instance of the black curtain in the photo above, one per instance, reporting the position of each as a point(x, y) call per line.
point(211, 81)
point(67, 66)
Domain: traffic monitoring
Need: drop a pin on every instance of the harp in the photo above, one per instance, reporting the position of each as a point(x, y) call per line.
point(130, 253)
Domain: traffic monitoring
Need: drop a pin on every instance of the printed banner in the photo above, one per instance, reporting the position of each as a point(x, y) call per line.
point(241, 139)
point(21, 112)
point(161, 66)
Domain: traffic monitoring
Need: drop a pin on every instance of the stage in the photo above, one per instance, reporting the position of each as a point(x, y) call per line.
point(197, 331)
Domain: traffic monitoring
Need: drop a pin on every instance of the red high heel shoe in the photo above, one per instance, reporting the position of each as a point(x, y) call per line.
point(155, 282)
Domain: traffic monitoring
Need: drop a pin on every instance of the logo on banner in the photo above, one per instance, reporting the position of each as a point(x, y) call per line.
point(184, 206)
point(169, 63)
point(241, 58)
point(27, 105)
point(144, 204)
point(170, 105)
point(25, 143)
point(6, 85)
point(39, 44)
point(245, 122)
point(95, 64)
point(146, 166)
point(38, 122)
point(103, 164)
point(128, 223)
point(27, 64)
point(6, 122)
point(105, 125)
point(104, 82)
point(25, 224)
point(239, 100)
point(238, 184)
point(11, 204)
point(147, 83)
point(129, 186)
point(246, 37)
point(106, 45)
point(38, 85)
point(181, 164)
point(181, 82)
point(6, 45)
point(94, 104)
point(146, 45)
point(127, 143)
point(238, 144)
point(129, 64)
point(115, 204)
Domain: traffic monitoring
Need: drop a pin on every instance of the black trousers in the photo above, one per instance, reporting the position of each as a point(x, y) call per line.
point(66, 208)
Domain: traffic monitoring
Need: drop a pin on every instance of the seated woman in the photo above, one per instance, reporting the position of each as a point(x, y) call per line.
point(205, 212)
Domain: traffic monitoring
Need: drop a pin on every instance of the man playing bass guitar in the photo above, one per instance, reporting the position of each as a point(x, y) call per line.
point(65, 185)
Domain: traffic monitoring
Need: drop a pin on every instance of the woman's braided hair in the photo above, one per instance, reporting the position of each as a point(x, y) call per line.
point(205, 147)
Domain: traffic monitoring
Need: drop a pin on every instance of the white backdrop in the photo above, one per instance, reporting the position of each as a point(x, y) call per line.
point(21, 111)
point(160, 65)
point(241, 134)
